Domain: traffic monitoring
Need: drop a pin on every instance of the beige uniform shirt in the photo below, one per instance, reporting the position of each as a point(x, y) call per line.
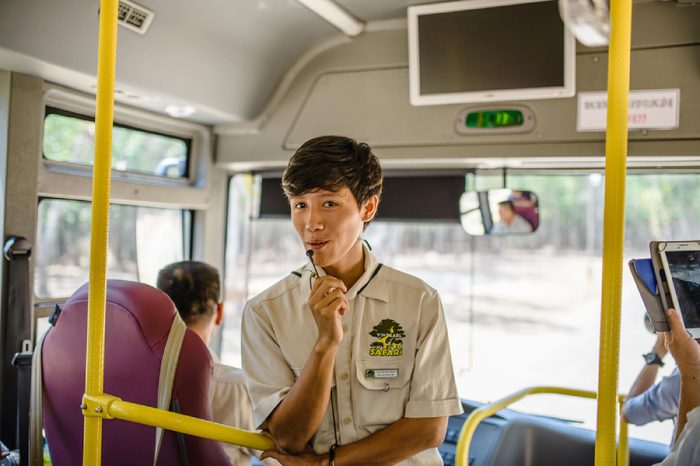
point(394, 360)
point(230, 405)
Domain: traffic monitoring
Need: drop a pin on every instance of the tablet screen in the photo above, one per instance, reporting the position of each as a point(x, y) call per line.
point(685, 271)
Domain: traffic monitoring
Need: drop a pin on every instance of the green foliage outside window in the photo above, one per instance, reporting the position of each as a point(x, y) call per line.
point(71, 139)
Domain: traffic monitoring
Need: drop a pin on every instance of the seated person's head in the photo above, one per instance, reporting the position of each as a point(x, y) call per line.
point(506, 210)
point(195, 289)
point(333, 184)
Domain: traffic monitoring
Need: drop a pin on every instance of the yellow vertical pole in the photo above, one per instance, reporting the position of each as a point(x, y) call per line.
point(613, 228)
point(104, 115)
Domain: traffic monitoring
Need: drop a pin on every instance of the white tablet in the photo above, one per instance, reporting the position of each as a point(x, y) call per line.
point(681, 262)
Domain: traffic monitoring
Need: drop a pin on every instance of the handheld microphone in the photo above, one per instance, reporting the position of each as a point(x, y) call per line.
point(310, 255)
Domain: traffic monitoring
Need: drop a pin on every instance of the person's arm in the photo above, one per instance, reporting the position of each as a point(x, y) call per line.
point(686, 352)
point(646, 377)
point(298, 416)
point(413, 434)
point(393, 444)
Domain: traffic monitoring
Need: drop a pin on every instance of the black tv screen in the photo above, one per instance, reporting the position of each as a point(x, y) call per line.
point(483, 51)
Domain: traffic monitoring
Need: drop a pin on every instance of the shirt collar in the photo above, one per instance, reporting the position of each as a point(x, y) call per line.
point(370, 284)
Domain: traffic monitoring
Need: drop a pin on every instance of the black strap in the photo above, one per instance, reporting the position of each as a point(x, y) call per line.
point(181, 448)
point(55, 314)
point(17, 341)
point(23, 364)
point(374, 274)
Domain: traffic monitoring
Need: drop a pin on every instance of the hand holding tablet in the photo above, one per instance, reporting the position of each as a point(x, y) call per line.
point(670, 279)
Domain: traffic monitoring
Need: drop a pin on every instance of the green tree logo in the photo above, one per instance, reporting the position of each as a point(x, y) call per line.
point(388, 334)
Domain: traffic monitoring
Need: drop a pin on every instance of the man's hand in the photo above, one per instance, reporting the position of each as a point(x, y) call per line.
point(683, 347)
point(298, 417)
point(307, 458)
point(328, 305)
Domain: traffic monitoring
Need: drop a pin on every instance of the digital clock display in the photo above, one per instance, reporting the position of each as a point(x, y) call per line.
point(494, 119)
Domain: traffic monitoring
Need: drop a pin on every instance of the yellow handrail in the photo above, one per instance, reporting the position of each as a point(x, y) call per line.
point(623, 447)
point(479, 414)
point(106, 406)
point(613, 228)
point(99, 232)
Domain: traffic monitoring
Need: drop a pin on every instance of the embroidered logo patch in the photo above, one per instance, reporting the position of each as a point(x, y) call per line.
point(389, 339)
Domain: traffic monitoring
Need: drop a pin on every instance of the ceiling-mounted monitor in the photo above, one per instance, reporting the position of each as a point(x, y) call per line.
point(489, 50)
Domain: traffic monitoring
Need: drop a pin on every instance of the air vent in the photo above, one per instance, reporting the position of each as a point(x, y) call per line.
point(134, 17)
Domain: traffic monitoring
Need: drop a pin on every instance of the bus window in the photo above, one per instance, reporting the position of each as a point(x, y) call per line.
point(141, 241)
point(271, 245)
point(522, 310)
point(69, 137)
point(542, 292)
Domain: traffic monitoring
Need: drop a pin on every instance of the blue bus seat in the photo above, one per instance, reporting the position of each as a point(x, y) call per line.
point(510, 438)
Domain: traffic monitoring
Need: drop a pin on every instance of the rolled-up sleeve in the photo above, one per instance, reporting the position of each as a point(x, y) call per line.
point(268, 376)
point(658, 403)
point(433, 390)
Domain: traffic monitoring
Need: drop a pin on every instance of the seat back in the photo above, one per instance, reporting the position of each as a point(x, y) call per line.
point(137, 322)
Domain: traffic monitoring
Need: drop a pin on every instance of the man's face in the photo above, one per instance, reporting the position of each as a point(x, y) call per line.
point(506, 213)
point(330, 223)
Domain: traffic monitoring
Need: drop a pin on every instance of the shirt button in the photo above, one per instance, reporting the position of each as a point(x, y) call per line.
point(343, 376)
point(347, 421)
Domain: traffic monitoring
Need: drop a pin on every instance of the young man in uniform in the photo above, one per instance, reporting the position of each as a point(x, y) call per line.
point(195, 289)
point(347, 360)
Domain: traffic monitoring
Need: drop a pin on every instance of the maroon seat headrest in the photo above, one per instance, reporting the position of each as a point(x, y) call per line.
point(137, 323)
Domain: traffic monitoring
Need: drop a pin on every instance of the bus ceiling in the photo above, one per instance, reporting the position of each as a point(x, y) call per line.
point(267, 75)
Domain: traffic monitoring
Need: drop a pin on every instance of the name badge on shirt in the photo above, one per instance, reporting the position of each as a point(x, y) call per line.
point(381, 373)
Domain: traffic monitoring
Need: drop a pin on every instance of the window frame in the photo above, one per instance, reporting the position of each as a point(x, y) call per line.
point(58, 100)
point(74, 181)
point(71, 181)
point(81, 168)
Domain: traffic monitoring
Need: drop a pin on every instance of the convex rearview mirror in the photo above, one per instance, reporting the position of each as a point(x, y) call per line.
point(499, 212)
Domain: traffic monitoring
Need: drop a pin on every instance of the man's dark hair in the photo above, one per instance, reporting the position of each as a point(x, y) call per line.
point(193, 286)
point(331, 163)
point(509, 203)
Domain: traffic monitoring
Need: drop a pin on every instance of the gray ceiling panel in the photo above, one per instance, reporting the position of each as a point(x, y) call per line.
point(223, 57)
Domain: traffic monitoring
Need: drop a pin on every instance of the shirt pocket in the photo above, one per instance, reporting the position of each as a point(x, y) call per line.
point(380, 397)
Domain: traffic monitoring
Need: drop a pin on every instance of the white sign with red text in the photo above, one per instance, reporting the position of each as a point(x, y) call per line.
point(650, 109)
